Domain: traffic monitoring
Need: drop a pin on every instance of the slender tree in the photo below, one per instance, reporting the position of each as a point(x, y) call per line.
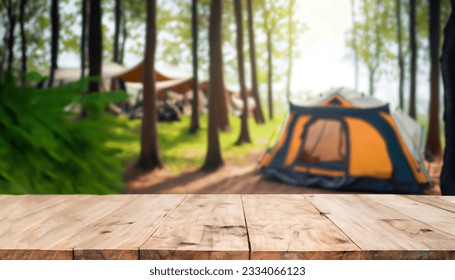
point(149, 157)
point(290, 48)
point(371, 34)
point(213, 158)
point(124, 37)
point(413, 62)
point(10, 7)
point(270, 72)
point(354, 47)
point(55, 30)
point(244, 136)
point(95, 43)
point(433, 145)
point(374, 66)
point(22, 6)
point(448, 72)
point(118, 22)
point(222, 112)
point(83, 42)
point(195, 105)
point(270, 19)
point(257, 112)
point(400, 55)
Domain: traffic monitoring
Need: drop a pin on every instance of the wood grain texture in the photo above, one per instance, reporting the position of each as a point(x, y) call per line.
point(450, 199)
point(435, 201)
point(23, 220)
point(53, 232)
point(202, 227)
point(382, 232)
point(431, 216)
point(213, 227)
point(120, 234)
point(289, 227)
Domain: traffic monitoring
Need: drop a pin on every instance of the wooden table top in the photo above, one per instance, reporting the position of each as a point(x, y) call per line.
point(227, 227)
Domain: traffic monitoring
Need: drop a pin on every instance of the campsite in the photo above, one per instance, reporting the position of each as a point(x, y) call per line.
point(219, 129)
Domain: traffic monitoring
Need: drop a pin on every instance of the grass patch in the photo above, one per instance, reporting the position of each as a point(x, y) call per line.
point(181, 150)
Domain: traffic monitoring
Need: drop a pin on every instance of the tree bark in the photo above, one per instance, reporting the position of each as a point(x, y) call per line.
point(3, 56)
point(213, 158)
point(400, 56)
point(55, 29)
point(448, 72)
point(23, 3)
point(124, 37)
point(290, 48)
point(257, 112)
point(118, 22)
point(244, 136)
point(83, 42)
point(269, 73)
point(371, 74)
point(11, 38)
point(195, 105)
point(413, 62)
point(149, 157)
point(433, 145)
point(95, 44)
point(354, 46)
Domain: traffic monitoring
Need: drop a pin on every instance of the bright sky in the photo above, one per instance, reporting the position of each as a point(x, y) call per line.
point(323, 63)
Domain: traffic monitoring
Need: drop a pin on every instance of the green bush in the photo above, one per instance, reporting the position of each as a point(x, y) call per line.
point(46, 147)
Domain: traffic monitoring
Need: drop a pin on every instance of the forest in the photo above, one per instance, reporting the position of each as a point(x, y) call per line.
point(159, 91)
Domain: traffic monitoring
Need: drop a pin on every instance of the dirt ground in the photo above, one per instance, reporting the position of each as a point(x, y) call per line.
point(230, 179)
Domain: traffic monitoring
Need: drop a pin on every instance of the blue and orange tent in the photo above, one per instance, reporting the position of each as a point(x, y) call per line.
point(352, 144)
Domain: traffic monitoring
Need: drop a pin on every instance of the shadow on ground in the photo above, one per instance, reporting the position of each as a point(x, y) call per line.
point(230, 179)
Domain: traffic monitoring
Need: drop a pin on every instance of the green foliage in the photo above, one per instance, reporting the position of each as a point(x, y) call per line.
point(373, 31)
point(45, 146)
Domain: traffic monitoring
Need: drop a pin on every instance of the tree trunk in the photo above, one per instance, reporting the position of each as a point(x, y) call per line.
point(257, 112)
point(3, 56)
point(354, 46)
point(118, 22)
point(413, 68)
point(244, 136)
point(269, 73)
point(11, 38)
point(371, 73)
point(124, 37)
point(400, 56)
point(433, 146)
point(195, 105)
point(83, 43)
point(149, 157)
point(222, 111)
point(55, 29)
point(290, 48)
point(213, 158)
point(23, 3)
point(95, 44)
point(448, 72)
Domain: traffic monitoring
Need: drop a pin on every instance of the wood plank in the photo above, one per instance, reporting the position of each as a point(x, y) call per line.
point(202, 227)
point(432, 216)
point(382, 232)
point(435, 201)
point(14, 208)
point(14, 242)
point(119, 235)
point(289, 227)
point(450, 199)
point(53, 232)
